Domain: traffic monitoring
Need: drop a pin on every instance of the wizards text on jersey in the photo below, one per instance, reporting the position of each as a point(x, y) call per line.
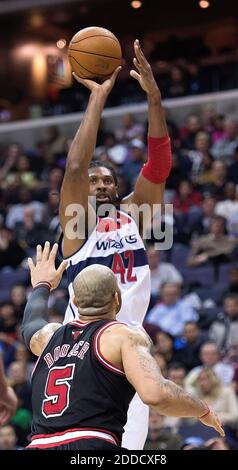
point(118, 244)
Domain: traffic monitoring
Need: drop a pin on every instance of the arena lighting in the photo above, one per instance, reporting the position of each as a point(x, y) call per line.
point(136, 4)
point(61, 43)
point(204, 4)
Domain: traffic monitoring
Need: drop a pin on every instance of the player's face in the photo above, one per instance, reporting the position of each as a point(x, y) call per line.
point(102, 185)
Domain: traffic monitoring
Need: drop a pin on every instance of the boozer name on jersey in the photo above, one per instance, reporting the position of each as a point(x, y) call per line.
point(118, 245)
point(61, 406)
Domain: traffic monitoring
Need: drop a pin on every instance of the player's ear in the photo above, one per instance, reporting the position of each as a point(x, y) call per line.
point(75, 302)
point(117, 300)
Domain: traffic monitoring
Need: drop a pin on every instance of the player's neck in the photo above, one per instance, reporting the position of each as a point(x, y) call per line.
point(91, 318)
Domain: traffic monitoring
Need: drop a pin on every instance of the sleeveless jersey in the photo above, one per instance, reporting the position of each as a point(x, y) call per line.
point(75, 389)
point(118, 245)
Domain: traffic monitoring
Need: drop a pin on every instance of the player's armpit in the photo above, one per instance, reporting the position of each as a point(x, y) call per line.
point(41, 338)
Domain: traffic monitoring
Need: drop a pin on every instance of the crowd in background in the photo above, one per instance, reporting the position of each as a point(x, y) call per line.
point(193, 312)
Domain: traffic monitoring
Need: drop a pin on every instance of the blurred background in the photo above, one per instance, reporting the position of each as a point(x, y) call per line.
point(192, 319)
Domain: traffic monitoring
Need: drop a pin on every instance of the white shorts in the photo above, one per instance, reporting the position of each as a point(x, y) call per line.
point(136, 428)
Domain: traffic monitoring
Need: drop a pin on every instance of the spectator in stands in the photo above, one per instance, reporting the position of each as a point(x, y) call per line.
point(130, 129)
point(165, 346)
point(15, 213)
point(214, 247)
point(224, 331)
point(229, 206)
point(8, 438)
point(25, 357)
point(161, 272)
point(203, 223)
point(179, 172)
point(210, 357)
point(187, 200)
point(52, 181)
point(201, 160)
point(159, 437)
point(233, 168)
point(233, 281)
point(193, 126)
point(9, 161)
point(177, 85)
point(195, 85)
point(28, 231)
point(18, 300)
point(50, 214)
point(218, 132)
point(8, 333)
point(224, 148)
point(17, 376)
point(23, 175)
point(193, 340)
point(55, 143)
point(132, 167)
point(176, 373)
point(221, 398)
point(8, 324)
point(172, 313)
point(11, 253)
point(219, 178)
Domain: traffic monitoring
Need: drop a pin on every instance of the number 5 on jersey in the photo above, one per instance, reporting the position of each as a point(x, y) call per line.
point(57, 391)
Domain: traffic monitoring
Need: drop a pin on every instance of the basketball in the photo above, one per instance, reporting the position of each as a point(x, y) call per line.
point(94, 53)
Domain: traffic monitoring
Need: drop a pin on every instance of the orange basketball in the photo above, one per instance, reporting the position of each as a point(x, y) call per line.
point(94, 53)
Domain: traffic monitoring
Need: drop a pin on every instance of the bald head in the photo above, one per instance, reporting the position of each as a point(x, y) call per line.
point(95, 291)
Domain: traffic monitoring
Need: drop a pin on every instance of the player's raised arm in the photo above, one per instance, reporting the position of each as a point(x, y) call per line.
point(164, 395)
point(36, 330)
point(75, 187)
point(149, 187)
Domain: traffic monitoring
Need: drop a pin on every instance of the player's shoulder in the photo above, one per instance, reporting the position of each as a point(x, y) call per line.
point(138, 336)
point(133, 333)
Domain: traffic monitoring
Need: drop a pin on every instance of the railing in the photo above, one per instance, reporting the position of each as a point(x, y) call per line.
point(30, 131)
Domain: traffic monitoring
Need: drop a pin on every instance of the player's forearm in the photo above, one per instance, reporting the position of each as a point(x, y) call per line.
point(174, 401)
point(84, 143)
point(156, 119)
point(35, 313)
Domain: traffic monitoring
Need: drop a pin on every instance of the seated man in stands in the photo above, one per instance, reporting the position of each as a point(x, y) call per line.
point(213, 247)
point(173, 312)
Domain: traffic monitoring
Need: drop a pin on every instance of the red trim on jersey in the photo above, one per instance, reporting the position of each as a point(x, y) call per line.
point(97, 351)
point(79, 323)
point(67, 441)
point(39, 436)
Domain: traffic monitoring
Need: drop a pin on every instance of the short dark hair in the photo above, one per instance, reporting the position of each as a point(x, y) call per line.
point(176, 366)
point(231, 296)
point(98, 164)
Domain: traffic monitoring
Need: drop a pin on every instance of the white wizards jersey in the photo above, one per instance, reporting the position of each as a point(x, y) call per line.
point(118, 245)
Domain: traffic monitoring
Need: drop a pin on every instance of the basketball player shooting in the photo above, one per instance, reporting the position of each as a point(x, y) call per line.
point(90, 368)
point(115, 244)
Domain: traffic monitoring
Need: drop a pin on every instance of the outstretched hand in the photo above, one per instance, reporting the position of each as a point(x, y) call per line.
point(211, 420)
point(8, 405)
point(144, 74)
point(44, 270)
point(105, 87)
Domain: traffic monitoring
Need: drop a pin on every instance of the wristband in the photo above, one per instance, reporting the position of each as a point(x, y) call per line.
point(43, 284)
point(205, 414)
